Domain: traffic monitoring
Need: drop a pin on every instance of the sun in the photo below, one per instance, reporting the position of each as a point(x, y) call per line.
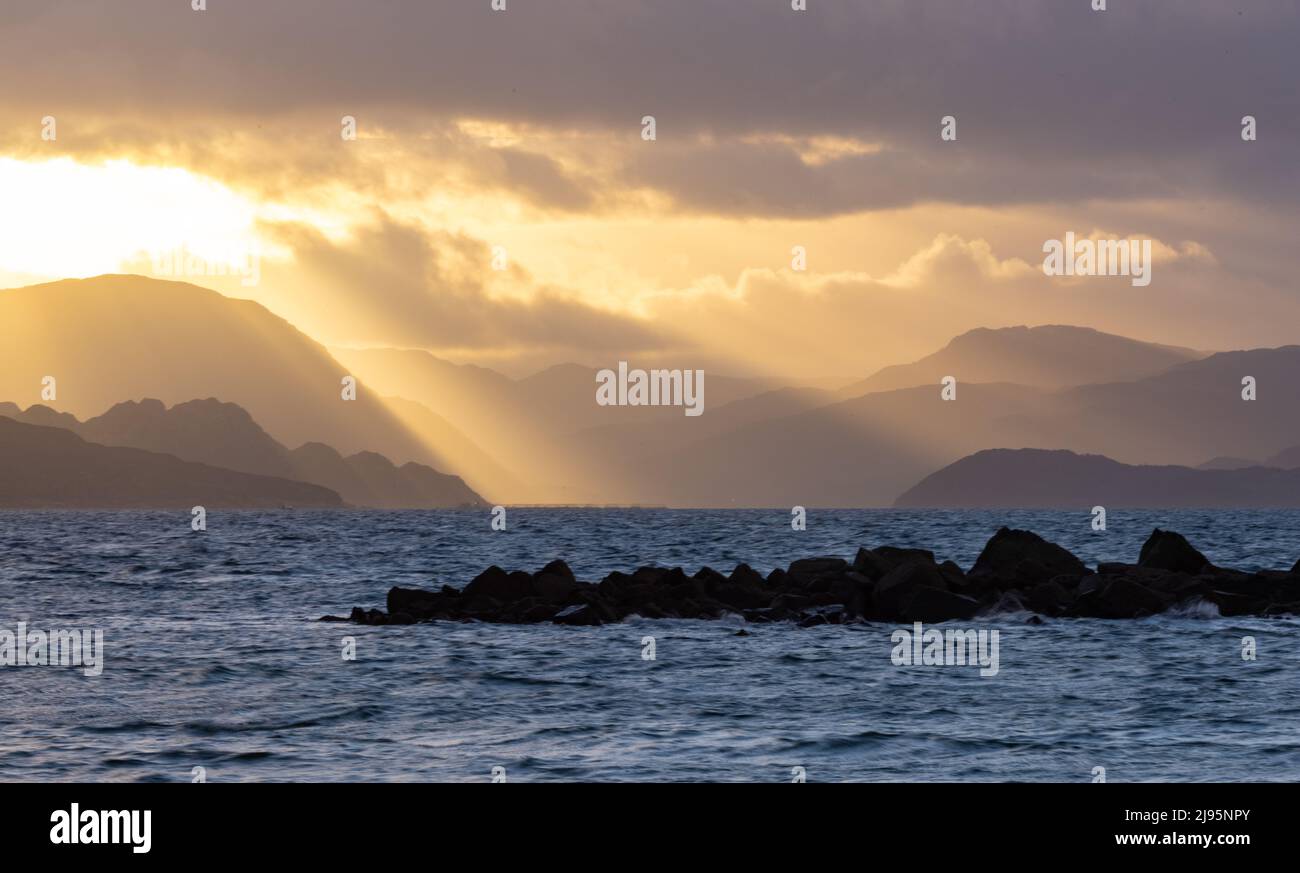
point(61, 218)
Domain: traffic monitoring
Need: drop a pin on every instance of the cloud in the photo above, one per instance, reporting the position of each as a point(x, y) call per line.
point(397, 284)
point(1053, 101)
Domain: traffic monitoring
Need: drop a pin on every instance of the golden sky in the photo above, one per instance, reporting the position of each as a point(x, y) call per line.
point(500, 204)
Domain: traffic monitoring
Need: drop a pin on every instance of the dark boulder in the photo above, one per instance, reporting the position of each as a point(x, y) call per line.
point(868, 563)
point(896, 557)
point(500, 585)
point(558, 568)
point(579, 615)
point(416, 601)
point(1021, 559)
point(1049, 598)
point(1166, 550)
point(554, 587)
point(1120, 598)
point(747, 575)
point(935, 604)
point(808, 572)
point(893, 594)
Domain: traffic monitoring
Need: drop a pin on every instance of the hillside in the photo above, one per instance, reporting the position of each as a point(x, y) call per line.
point(1050, 356)
point(1038, 478)
point(52, 468)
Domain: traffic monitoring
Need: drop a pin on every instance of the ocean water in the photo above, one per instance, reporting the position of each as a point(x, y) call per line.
point(214, 658)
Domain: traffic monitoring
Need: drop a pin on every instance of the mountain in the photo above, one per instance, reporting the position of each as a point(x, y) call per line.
point(852, 453)
point(208, 431)
point(116, 337)
point(1287, 459)
point(539, 426)
point(1188, 413)
point(370, 479)
point(1037, 478)
point(1225, 463)
point(225, 435)
point(1050, 356)
point(51, 468)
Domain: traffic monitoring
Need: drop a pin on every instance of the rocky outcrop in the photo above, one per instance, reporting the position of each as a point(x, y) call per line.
point(1017, 570)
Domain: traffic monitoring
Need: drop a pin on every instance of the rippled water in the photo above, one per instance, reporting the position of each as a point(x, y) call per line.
point(214, 658)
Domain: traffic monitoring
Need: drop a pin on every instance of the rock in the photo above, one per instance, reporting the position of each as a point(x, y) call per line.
point(1166, 550)
point(415, 601)
point(746, 575)
point(581, 615)
point(1021, 559)
point(935, 604)
point(1049, 598)
point(552, 586)
point(332, 618)
point(558, 568)
point(871, 565)
point(741, 633)
point(893, 594)
point(1120, 598)
point(895, 556)
point(1295, 571)
point(1017, 571)
point(807, 571)
point(500, 585)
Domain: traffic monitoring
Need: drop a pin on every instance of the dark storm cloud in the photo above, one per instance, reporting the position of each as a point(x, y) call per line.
point(1052, 99)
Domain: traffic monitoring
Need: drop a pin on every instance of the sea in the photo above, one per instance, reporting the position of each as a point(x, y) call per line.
point(216, 667)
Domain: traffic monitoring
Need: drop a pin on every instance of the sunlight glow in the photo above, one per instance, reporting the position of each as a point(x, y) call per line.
point(66, 219)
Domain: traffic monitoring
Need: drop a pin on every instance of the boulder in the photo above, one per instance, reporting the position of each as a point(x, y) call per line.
point(554, 587)
point(935, 604)
point(500, 585)
point(1166, 550)
point(1022, 559)
point(1120, 598)
point(1049, 598)
point(579, 615)
point(870, 564)
point(746, 575)
point(895, 556)
point(415, 601)
point(807, 571)
point(892, 595)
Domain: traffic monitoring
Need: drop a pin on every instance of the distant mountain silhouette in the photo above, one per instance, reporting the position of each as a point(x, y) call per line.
point(225, 435)
point(51, 467)
point(1225, 463)
point(867, 450)
point(370, 479)
point(1287, 459)
point(116, 337)
point(1037, 478)
point(539, 425)
point(1050, 356)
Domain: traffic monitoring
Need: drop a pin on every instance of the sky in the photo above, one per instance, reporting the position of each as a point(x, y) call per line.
point(501, 203)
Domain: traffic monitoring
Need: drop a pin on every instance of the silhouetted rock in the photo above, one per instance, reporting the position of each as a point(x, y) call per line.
point(1020, 558)
point(1166, 550)
point(1018, 571)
